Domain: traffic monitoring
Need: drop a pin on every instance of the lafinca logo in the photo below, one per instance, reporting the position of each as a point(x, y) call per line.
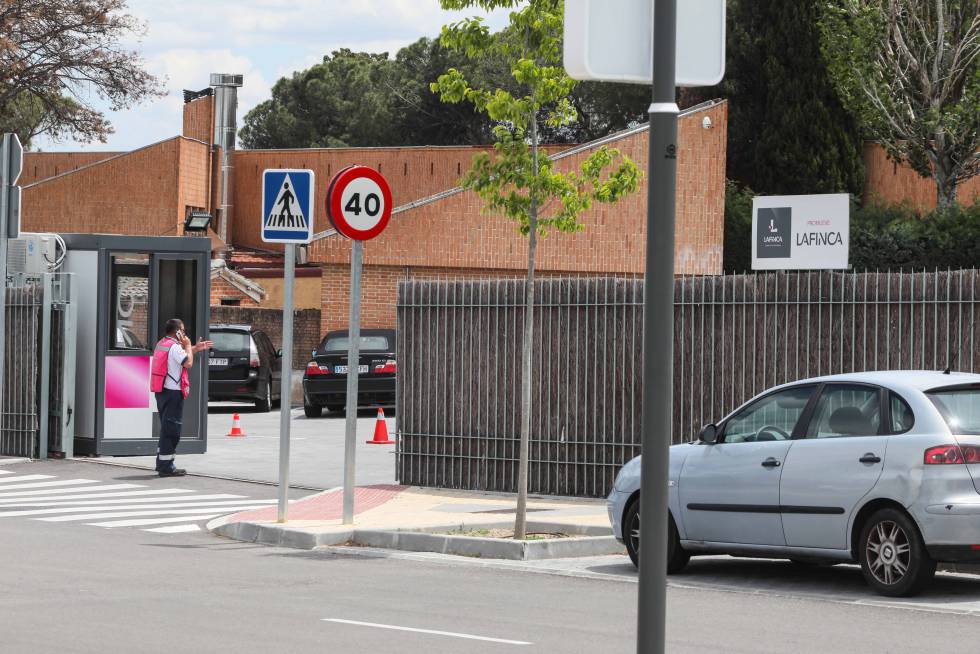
point(774, 233)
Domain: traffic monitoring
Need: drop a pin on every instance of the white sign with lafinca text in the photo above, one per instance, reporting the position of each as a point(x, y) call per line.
point(801, 232)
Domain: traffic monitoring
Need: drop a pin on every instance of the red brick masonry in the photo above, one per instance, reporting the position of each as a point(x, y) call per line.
point(326, 506)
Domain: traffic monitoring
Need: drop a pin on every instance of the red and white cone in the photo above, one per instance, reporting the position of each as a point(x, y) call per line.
point(381, 431)
point(236, 428)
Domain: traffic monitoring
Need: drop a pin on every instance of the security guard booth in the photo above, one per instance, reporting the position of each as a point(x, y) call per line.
point(128, 287)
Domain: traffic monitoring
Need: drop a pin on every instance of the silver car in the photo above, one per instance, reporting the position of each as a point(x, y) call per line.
point(879, 468)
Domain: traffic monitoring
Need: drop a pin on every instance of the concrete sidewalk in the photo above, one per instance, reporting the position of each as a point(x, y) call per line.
point(422, 519)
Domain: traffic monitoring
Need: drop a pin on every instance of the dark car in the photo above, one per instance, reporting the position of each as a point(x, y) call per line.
point(243, 366)
point(325, 379)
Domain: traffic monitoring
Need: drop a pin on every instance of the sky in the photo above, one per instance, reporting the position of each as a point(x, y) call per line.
point(264, 40)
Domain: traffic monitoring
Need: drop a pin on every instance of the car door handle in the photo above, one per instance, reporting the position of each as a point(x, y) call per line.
point(771, 463)
point(870, 458)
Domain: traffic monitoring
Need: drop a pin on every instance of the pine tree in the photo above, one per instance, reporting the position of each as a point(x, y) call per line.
point(788, 132)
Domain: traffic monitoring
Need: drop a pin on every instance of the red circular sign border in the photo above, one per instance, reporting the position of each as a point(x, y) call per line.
point(336, 191)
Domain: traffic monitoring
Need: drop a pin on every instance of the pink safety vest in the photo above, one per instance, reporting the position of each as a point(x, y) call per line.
point(158, 368)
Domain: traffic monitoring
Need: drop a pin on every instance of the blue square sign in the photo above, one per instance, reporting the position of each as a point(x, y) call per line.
point(287, 206)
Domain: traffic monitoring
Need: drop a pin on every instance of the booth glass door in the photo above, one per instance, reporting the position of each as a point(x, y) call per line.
point(176, 289)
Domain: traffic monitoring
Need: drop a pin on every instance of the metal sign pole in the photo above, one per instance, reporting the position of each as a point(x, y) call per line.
point(658, 334)
point(286, 380)
point(353, 362)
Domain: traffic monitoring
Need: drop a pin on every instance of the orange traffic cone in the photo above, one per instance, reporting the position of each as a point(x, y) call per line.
point(381, 431)
point(236, 428)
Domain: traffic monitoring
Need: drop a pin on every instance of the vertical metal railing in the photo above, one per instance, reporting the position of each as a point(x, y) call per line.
point(459, 346)
point(36, 412)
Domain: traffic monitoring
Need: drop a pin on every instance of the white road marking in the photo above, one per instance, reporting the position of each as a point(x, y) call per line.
point(136, 514)
point(5, 472)
point(165, 494)
point(7, 480)
point(219, 505)
point(86, 489)
point(435, 632)
point(152, 521)
point(74, 501)
point(176, 529)
point(48, 484)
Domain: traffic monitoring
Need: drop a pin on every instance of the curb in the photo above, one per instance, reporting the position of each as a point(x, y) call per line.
point(591, 541)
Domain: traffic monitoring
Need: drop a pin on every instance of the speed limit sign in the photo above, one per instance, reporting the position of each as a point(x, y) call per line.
point(359, 203)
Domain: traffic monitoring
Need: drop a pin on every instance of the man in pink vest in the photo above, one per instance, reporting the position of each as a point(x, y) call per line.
point(172, 357)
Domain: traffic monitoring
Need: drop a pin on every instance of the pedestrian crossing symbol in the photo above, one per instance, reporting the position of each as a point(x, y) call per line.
point(287, 206)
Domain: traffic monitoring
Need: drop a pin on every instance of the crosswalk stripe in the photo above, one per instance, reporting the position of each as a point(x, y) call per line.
point(7, 480)
point(76, 492)
point(77, 496)
point(5, 472)
point(175, 529)
point(48, 484)
point(140, 522)
point(221, 504)
point(136, 514)
point(74, 501)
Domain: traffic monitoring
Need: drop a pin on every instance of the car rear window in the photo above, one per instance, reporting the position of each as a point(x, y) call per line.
point(230, 341)
point(342, 344)
point(960, 408)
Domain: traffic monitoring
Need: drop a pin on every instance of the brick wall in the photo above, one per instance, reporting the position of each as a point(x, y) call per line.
point(306, 327)
point(193, 178)
point(135, 193)
point(220, 288)
point(888, 182)
point(199, 119)
point(455, 233)
point(41, 165)
point(412, 172)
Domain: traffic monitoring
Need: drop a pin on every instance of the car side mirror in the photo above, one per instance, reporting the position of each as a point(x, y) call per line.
point(709, 434)
point(278, 354)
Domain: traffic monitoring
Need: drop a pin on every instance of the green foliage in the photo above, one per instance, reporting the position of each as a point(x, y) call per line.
point(737, 255)
point(896, 238)
point(788, 132)
point(910, 71)
point(515, 181)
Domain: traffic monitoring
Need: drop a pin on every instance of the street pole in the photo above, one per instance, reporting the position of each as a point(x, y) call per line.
point(286, 380)
point(353, 362)
point(658, 334)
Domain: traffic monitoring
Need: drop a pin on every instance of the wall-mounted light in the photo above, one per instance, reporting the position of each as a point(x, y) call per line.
point(706, 123)
point(197, 221)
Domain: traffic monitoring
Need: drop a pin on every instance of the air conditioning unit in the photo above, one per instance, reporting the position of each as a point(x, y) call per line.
point(33, 253)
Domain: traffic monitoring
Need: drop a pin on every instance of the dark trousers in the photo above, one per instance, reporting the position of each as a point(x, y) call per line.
point(170, 405)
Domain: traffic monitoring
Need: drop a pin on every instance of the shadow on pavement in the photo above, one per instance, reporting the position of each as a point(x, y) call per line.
point(843, 581)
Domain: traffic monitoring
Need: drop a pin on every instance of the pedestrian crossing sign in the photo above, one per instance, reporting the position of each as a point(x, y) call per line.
point(287, 206)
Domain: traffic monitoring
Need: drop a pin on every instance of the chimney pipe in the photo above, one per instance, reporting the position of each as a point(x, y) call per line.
point(225, 126)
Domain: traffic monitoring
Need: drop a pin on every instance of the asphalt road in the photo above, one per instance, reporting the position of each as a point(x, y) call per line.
point(69, 587)
point(316, 449)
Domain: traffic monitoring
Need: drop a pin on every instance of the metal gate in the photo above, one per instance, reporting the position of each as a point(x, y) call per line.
point(36, 414)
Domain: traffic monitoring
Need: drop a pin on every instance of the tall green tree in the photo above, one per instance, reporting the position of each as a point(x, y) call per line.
point(788, 131)
point(516, 181)
point(910, 72)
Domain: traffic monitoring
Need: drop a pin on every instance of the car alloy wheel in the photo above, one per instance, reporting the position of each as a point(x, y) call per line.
point(889, 552)
point(893, 558)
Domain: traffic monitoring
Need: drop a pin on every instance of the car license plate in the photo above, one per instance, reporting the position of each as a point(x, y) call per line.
point(342, 370)
point(217, 362)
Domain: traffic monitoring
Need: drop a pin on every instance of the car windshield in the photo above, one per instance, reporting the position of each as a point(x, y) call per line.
point(230, 341)
point(342, 343)
point(960, 408)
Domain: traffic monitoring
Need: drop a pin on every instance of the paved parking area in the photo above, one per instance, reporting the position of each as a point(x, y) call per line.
point(316, 449)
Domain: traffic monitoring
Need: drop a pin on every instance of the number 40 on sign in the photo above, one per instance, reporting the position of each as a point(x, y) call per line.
point(359, 203)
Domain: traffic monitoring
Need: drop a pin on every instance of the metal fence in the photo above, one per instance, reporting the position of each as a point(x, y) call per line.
point(459, 345)
point(38, 392)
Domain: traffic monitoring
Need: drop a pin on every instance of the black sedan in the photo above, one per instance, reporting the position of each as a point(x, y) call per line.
point(243, 366)
point(325, 379)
